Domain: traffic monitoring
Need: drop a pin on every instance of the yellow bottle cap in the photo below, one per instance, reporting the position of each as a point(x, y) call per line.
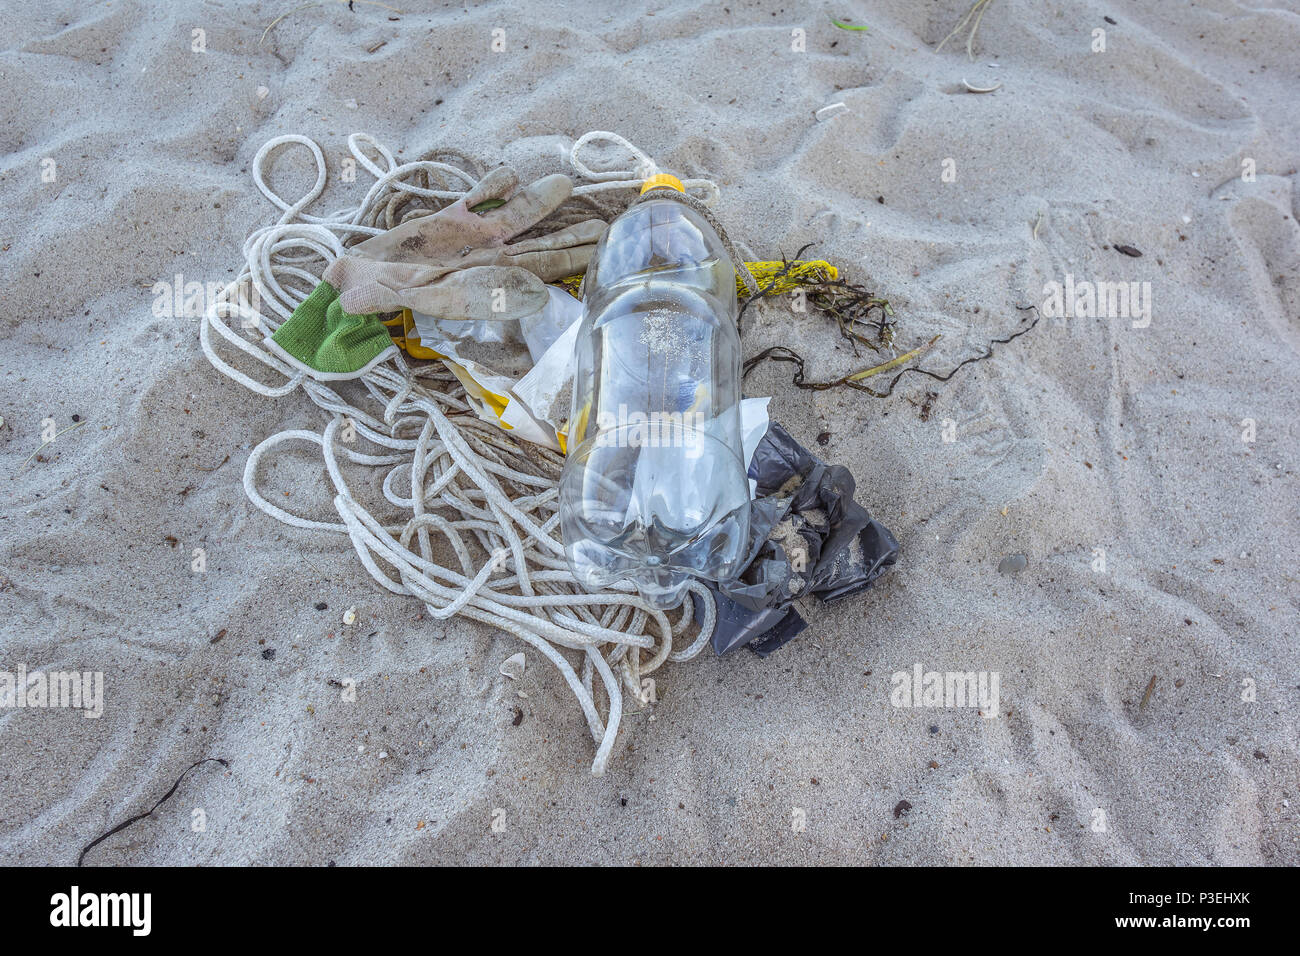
point(662, 180)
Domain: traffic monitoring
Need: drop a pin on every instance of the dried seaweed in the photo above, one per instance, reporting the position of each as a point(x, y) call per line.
point(148, 813)
point(851, 305)
point(781, 353)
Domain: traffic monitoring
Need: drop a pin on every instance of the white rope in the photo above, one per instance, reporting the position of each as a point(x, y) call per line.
point(446, 473)
point(632, 178)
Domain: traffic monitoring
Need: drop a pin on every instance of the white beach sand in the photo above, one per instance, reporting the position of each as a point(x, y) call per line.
point(1084, 434)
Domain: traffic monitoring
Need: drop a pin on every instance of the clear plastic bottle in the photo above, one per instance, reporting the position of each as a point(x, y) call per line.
point(654, 489)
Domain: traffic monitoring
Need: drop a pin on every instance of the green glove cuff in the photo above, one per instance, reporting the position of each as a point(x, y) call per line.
point(328, 341)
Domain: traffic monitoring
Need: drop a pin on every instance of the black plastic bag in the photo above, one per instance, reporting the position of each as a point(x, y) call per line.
point(807, 536)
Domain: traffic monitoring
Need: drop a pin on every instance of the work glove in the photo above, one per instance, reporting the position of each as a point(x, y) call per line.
point(454, 264)
point(458, 264)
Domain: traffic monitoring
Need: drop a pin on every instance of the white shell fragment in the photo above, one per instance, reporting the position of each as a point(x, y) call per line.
point(350, 615)
point(513, 667)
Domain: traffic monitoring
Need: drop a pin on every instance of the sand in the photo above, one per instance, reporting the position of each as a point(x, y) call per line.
point(127, 162)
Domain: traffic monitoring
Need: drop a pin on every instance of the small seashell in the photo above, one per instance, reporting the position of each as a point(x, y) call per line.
point(350, 615)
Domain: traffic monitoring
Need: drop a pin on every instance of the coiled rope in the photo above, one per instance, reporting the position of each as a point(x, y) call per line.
point(489, 499)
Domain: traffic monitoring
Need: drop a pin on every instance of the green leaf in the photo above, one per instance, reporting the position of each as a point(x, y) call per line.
point(847, 26)
point(487, 204)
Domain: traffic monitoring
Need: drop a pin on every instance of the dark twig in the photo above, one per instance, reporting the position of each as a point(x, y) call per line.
point(140, 816)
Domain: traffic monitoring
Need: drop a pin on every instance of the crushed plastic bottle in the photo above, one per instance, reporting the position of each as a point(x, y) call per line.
point(654, 489)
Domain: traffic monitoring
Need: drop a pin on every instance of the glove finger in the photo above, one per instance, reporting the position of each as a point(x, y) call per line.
point(492, 293)
point(550, 265)
point(529, 206)
point(557, 255)
point(584, 233)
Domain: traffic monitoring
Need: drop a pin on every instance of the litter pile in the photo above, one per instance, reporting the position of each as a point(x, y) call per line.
point(471, 452)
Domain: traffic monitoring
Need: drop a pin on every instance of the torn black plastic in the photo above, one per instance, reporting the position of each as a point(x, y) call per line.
point(807, 536)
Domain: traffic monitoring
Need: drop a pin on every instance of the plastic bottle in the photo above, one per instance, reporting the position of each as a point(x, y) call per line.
point(654, 489)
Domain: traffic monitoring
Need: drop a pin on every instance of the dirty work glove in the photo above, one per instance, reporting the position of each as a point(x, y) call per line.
point(452, 264)
point(458, 264)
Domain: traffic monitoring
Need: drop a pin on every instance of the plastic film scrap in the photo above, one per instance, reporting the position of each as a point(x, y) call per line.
point(807, 536)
